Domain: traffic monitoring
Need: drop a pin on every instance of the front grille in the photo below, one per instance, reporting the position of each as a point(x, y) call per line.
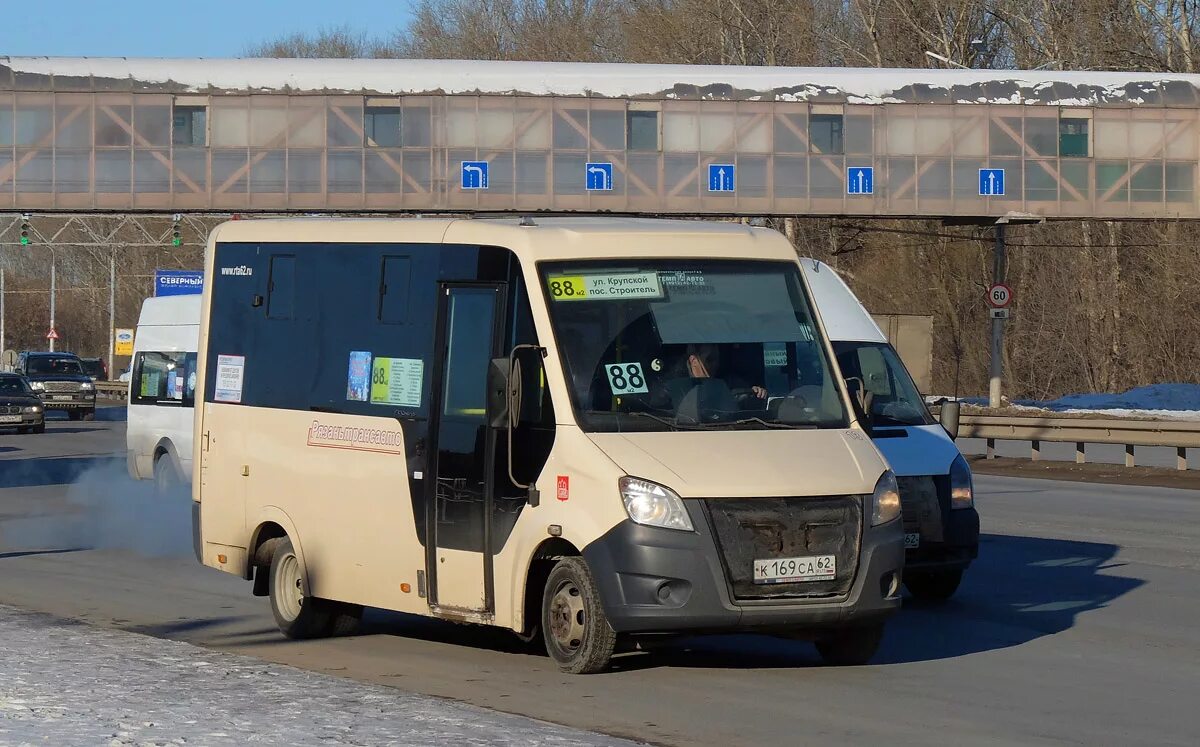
point(59, 387)
point(750, 529)
point(920, 507)
point(10, 409)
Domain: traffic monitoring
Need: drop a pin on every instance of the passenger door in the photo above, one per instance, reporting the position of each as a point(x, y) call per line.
point(460, 495)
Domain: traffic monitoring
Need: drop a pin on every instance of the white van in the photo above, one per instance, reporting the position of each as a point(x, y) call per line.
point(161, 389)
point(941, 525)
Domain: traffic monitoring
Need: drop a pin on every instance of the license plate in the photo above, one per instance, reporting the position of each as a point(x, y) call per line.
point(60, 397)
point(912, 540)
point(10, 418)
point(791, 570)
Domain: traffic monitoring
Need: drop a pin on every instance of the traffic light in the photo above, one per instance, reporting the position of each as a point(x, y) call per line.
point(25, 230)
point(176, 238)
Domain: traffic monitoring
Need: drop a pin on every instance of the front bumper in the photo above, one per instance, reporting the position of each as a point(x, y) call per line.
point(959, 545)
point(661, 580)
point(27, 419)
point(79, 401)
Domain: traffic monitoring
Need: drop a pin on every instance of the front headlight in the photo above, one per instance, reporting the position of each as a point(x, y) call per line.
point(87, 386)
point(37, 386)
point(653, 505)
point(885, 502)
point(32, 409)
point(962, 487)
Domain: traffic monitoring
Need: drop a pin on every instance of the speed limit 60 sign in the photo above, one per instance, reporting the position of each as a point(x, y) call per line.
point(1000, 296)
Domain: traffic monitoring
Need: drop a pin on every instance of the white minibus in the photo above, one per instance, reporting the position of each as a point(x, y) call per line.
point(941, 524)
point(161, 391)
point(591, 429)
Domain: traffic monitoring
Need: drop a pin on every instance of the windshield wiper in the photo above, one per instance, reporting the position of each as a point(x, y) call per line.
point(775, 424)
point(675, 424)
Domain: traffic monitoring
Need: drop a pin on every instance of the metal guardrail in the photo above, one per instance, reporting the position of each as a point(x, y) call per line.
point(112, 389)
point(1179, 435)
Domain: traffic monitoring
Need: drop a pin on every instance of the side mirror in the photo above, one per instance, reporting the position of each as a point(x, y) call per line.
point(498, 393)
point(949, 418)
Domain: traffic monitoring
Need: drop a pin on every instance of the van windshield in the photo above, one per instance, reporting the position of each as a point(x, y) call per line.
point(896, 400)
point(687, 345)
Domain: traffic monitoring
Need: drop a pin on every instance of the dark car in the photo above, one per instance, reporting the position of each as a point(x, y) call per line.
point(20, 408)
point(59, 379)
point(95, 368)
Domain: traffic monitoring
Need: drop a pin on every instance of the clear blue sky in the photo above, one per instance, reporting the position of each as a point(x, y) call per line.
point(166, 28)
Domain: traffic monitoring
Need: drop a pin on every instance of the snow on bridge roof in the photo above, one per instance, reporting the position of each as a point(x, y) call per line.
point(398, 77)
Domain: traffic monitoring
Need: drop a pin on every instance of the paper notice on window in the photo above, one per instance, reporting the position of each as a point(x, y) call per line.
point(231, 372)
point(606, 287)
point(775, 354)
point(397, 381)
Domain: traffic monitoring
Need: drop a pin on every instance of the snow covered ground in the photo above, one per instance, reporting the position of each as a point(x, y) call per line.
point(67, 683)
point(1173, 401)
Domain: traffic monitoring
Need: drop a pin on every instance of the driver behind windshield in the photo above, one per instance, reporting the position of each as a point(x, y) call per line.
point(700, 367)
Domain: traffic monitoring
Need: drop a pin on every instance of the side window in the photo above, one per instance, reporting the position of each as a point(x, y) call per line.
point(281, 290)
point(164, 379)
point(825, 133)
point(394, 290)
point(381, 126)
point(189, 126)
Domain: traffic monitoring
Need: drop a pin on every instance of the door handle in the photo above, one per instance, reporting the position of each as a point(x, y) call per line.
point(205, 437)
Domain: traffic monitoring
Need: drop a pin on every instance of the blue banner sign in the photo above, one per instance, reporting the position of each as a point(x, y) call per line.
point(178, 282)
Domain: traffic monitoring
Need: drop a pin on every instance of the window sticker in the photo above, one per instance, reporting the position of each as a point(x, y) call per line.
point(606, 287)
point(563, 488)
point(172, 383)
point(626, 378)
point(686, 283)
point(775, 354)
point(358, 378)
point(231, 372)
point(150, 381)
point(397, 381)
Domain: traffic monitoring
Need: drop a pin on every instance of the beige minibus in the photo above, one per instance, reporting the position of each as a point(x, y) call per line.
point(587, 429)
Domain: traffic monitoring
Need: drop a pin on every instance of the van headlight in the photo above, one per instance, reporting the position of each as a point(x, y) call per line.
point(87, 386)
point(37, 386)
point(962, 487)
point(885, 501)
point(653, 505)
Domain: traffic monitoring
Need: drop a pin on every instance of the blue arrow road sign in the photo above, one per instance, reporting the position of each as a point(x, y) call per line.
point(474, 174)
point(720, 177)
point(598, 177)
point(860, 180)
point(991, 182)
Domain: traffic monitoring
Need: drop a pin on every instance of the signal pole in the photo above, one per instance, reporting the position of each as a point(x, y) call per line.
point(52, 294)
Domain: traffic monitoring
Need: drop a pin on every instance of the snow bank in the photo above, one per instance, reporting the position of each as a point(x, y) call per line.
point(1173, 401)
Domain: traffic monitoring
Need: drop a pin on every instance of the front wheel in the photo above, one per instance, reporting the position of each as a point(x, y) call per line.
point(39, 428)
point(298, 616)
point(578, 635)
point(72, 415)
point(89, 415)
point(933, 587)
point(165, 478)
point(851, 647)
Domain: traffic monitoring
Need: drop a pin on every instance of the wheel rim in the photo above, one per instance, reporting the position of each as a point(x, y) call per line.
point(289, 596)
point(567, 620)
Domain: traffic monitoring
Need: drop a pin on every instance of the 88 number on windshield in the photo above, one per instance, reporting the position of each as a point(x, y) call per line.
point(626, 378)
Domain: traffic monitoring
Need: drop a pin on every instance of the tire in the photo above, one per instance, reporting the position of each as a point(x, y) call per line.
point(72, 415)
point(851, 647)
point(297, 616)
point(89, 415)
point(39, 428)
point(578, 635)
point(22, 430)
point(933, 587)
point(344, 619)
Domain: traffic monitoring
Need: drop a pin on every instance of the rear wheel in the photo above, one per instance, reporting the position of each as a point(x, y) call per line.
point(298, 616)
point(850, 647)
point(578, 635)
point(933, 587)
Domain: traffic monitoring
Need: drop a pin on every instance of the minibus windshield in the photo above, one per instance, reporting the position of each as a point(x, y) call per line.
point(895, 399)
point(689, 345)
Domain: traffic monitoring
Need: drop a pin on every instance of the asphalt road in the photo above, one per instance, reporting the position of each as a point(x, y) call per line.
point(1078, 625)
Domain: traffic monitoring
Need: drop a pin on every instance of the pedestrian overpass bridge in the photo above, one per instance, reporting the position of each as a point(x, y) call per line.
point(126, 136)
